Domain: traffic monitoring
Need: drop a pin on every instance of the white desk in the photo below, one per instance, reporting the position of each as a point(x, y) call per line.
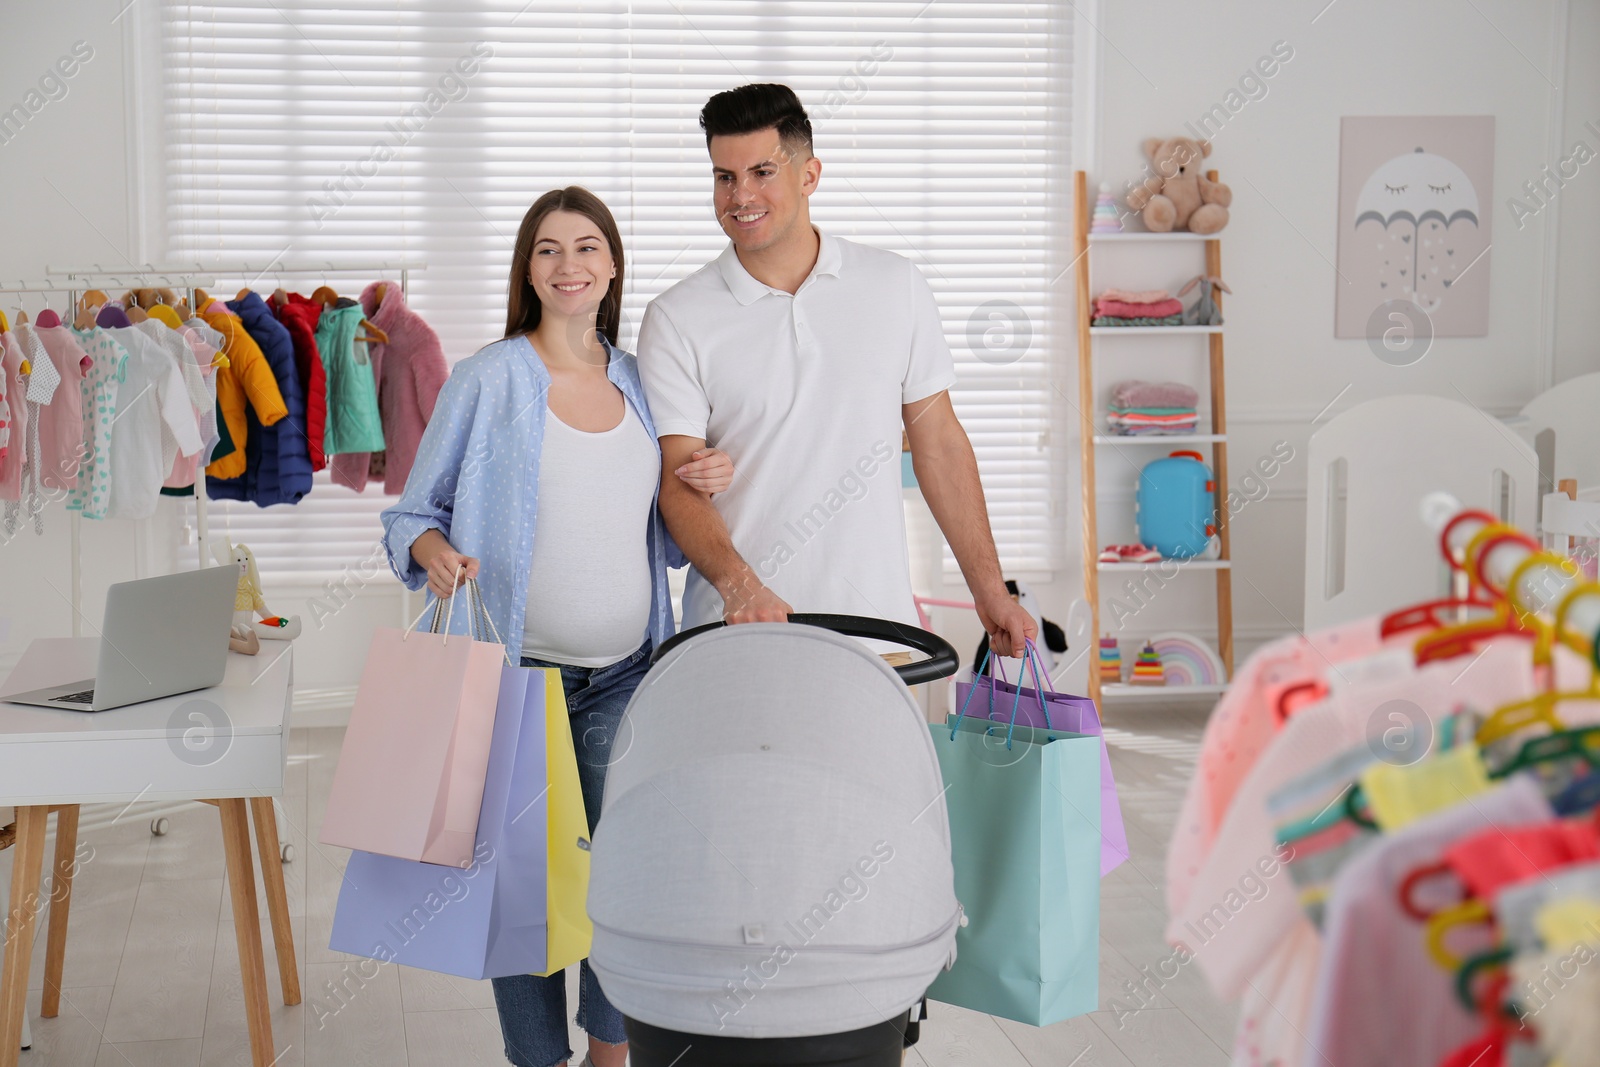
point(227, 745)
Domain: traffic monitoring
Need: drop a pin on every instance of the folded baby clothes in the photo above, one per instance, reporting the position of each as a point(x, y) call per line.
point(1123, 310)
point(1147, 320)
point(1144, 296)
point(1133, 393)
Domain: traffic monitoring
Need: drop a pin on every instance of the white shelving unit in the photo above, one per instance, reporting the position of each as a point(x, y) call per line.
point(1092, 436)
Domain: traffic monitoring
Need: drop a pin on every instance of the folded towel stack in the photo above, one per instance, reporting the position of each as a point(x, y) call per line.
point(1152, 307)
point(1146, 408)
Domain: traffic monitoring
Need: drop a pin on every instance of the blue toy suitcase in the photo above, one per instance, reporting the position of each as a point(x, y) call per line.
point(1176, 506)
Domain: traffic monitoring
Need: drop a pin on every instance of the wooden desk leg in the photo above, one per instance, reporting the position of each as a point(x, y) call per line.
point(266, 820)
point(66, 865)
point(27, 864)
point(246, 928)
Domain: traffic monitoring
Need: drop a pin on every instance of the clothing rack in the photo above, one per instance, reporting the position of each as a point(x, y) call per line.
point(1499, 561)
point(72, 282)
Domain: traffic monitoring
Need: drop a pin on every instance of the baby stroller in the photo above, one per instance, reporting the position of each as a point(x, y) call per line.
point(771, 878)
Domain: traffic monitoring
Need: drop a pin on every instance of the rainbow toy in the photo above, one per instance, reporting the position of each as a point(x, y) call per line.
point(1110, 660)
point(1147, 668)
point(1187, 660)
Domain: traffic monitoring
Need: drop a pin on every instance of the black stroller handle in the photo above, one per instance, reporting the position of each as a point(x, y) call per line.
point(942, 659)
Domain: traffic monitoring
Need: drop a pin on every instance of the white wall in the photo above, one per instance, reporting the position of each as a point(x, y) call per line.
point(1161, 65)
point(68, 179)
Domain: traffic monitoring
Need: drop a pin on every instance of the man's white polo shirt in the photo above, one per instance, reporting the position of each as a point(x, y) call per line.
point(803, 392)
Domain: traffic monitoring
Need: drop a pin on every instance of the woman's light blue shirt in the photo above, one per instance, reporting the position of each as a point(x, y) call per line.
point(476, 480)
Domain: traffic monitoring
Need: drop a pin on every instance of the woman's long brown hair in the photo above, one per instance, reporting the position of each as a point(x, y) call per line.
point(524, 310)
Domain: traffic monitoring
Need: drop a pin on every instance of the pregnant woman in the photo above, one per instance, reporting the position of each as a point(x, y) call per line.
point(538, 475)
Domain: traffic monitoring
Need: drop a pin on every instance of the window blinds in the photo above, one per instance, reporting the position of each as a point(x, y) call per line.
point(306, 130)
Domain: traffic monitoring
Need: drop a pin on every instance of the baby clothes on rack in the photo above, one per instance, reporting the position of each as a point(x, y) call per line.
point(61, 416)
point(16, 408)
point(5, 408)
point(40, 382)
point(300, 316)
point(354, 424)
point(247, 379)
point(107, 367)
point(1371, 947)
point(1238, 953)
point(278, 464)
point(153, 424)
point(410, 370)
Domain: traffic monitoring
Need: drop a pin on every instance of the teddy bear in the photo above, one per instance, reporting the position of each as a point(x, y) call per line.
point(1177, 195)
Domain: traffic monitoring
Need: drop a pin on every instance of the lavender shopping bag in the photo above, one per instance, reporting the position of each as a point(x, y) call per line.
point(990, 697)
point(488, 920)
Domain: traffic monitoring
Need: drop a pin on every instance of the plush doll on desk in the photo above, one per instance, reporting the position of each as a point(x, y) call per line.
point(248, 632)
point(1177, 195)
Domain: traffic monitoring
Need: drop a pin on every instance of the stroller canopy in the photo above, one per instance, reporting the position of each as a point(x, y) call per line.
point(773, 852)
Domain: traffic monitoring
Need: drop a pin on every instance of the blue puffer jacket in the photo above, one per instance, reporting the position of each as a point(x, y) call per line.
point(278, 461)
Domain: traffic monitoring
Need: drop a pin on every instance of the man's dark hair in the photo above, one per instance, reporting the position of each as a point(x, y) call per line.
point(758, 107)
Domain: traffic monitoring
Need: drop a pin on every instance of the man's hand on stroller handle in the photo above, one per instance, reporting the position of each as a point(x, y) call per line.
point(750, 601)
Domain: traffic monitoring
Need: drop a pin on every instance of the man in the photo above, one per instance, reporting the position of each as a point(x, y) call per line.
point(802, 356)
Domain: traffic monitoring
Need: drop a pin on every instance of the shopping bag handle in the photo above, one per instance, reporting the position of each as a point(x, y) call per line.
point(482, 627)
point(1028, 653)
point(436, 606)
point(942, 660)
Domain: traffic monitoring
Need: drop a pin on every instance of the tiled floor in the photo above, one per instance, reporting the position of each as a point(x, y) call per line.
point(151, 978)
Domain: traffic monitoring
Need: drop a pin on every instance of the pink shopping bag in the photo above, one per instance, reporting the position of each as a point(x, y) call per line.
point(409, 782)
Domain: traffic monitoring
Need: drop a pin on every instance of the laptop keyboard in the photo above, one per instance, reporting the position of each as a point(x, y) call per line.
point(85, 697)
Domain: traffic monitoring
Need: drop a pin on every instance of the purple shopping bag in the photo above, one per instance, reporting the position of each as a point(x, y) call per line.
point(990, 697)
point(485, 921)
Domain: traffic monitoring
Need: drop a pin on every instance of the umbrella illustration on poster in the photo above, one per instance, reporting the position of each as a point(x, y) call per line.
point(1417, 198)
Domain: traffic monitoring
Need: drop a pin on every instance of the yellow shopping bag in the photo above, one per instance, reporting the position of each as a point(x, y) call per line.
point(567, 873)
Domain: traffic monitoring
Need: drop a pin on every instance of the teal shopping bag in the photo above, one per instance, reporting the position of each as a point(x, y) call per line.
point(1024, 810)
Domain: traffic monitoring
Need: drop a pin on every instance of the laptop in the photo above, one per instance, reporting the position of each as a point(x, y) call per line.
point(160, 636)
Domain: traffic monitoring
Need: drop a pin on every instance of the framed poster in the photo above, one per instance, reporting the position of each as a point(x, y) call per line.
point(1415, 206)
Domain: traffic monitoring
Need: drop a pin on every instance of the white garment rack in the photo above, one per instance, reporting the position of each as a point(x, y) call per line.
point(192, 276)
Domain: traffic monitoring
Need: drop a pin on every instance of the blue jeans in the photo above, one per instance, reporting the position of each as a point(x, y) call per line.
point(533, 1009)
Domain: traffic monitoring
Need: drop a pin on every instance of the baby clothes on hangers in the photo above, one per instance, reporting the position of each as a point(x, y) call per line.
point(1372, 948)
point(246, 378)
point(300, 317)
point(353, 421)
point(1291, 670)
point(40, 386)
point(151, 400)
point(278, 466)
point(1234, 937)
point(16, 414)
point(107, 367)
point(5, 408)
point(410, 370)
point(180, 348)
point(61, 416)
point(183, 440)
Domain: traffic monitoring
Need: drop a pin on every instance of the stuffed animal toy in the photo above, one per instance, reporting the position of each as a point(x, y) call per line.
point(1204, 312)
point(248, 602)
point(1177, 195)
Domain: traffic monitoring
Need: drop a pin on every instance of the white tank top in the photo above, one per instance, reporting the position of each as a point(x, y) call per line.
point(589, 582)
